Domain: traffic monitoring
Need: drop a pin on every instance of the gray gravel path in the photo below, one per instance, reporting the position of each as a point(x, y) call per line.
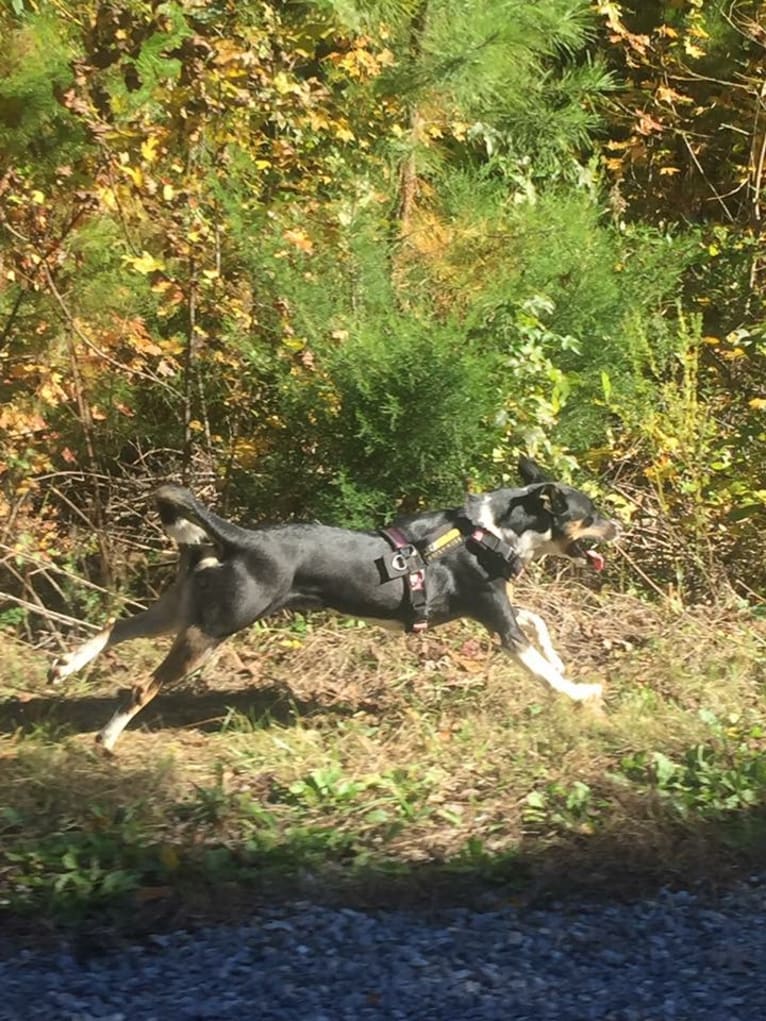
point(674, 957)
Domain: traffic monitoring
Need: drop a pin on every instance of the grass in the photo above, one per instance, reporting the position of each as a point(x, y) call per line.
point(323, 758)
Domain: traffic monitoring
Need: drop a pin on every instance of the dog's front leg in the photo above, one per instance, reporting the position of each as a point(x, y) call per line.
point(75, 660)
point(498, 615)
point(541, 668)
point(525, 618)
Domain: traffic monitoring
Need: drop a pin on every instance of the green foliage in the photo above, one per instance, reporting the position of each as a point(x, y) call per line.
point(406, 415)
point(567, 807)
point(352, 257)
point(35, 67)
point(598, 296)
point(707, 780)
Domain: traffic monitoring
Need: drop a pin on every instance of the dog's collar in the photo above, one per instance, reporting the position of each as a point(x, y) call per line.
point(486, 542)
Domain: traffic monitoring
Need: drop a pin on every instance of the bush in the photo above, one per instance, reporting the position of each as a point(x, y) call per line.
point(403, 414)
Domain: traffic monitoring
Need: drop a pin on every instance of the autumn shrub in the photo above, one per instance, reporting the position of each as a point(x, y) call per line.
point(401, 414)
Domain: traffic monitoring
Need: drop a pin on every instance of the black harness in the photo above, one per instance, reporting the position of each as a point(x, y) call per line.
point(408, 560)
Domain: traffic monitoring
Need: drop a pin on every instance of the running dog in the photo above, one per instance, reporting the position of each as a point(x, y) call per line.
point(427, 569)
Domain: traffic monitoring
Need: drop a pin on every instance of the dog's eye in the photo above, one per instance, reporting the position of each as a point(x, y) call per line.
point(587, 522)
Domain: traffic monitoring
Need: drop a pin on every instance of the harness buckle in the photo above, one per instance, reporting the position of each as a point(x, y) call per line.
point(405, 561)
point(401, 557)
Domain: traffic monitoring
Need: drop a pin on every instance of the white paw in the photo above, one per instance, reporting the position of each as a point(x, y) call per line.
point(105, 742)
point(73, 661)
point(62, 668)
point(584, 692)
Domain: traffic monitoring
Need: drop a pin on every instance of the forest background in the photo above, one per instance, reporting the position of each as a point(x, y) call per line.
point(330, 260)
point(327, 259)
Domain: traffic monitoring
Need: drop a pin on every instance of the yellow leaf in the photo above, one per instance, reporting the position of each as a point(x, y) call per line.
point(144, 263)
point(196, 426)
point(669, 171)
point(149, 149)
point(108, 198)
point(136, 176)
point(667, 95)
point(757, 403)
point(38, 198)
point(167, 192)
point(282, 83)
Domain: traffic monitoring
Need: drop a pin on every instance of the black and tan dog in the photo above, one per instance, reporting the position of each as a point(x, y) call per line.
point(458, 562)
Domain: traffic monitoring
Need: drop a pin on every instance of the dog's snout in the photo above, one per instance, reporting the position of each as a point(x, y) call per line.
point(607, 529)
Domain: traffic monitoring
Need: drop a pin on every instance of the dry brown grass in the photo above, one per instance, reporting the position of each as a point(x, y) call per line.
point(322, 752)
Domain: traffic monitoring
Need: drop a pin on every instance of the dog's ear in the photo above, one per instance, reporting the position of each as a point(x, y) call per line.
point(553, 498)
point(531, 472)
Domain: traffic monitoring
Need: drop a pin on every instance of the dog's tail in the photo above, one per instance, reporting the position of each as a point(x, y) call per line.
point(190, 523)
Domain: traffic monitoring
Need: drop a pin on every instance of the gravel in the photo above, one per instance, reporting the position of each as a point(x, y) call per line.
point(674, 957)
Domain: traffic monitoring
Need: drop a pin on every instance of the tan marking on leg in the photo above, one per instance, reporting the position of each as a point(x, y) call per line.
point(189, 651)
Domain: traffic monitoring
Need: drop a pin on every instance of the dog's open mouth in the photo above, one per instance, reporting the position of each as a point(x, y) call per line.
point(577, 551)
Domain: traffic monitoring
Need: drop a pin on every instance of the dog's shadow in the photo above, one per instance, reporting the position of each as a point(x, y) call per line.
point(191, 707)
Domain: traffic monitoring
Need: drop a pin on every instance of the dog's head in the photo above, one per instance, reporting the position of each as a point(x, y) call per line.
point(553, 518)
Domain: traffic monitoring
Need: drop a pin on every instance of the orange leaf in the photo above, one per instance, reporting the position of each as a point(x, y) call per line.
point(300, 240)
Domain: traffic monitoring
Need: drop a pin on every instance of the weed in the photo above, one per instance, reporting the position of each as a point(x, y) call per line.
point(705, 780)
point(326, 786)
point(71, 872)
point(568, 807)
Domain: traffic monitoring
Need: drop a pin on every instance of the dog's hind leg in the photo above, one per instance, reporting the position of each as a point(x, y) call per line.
point(159, 619)
point(188, 652)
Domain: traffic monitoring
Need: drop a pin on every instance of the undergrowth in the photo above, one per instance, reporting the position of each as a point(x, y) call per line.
point(321, 758)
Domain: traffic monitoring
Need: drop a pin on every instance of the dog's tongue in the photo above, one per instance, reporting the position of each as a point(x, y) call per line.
point(596, 560)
